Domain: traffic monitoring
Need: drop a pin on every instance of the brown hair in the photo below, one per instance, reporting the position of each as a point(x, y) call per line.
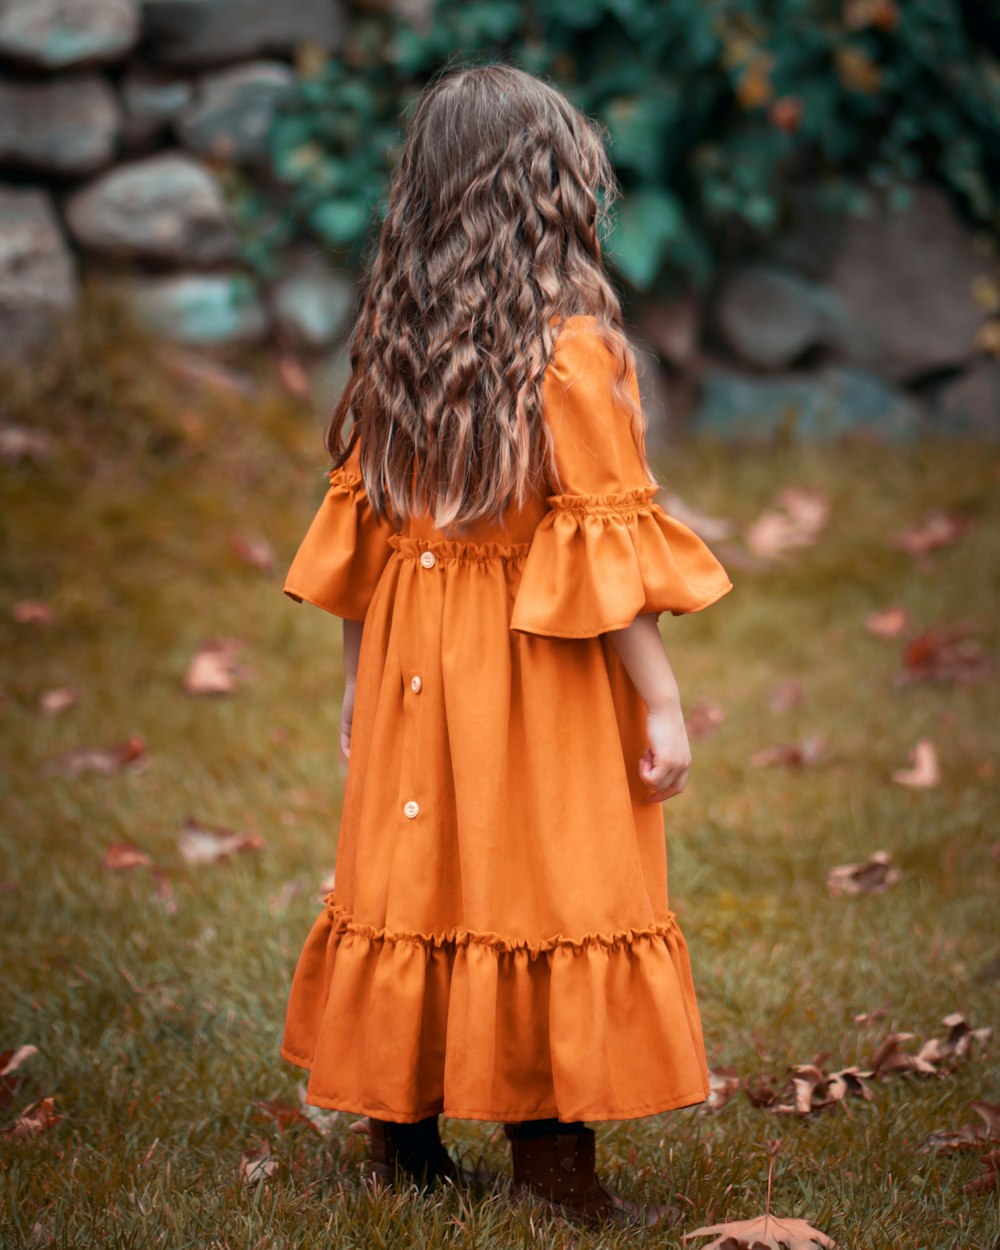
point(491, 235)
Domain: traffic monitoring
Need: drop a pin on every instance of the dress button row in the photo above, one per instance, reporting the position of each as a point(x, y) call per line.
point(410, 809)
point(415, 684)
point(428, 559)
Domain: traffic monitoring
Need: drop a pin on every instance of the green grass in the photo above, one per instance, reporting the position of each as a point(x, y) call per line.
point(158, 1029)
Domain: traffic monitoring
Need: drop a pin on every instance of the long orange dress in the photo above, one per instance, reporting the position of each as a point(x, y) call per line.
point(499, 944)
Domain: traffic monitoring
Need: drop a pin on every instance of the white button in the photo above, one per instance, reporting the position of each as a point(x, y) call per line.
point(410, 809)
point(415, 684)
point(428, 559)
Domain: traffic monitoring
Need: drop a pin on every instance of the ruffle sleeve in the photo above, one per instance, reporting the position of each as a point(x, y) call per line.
point(605, 551)
point(340, 560)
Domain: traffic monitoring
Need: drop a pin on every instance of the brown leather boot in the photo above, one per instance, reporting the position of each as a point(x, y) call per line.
point(559, 1168)
point(405, 1154)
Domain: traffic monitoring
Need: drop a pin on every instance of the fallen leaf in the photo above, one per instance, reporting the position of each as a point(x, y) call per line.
point(814, 1090)
point(772, 1232)
point(257, 1166)
point(255, 551)
point(361, 1128)
point(33, 612)
point(37, 1118)
point(19, 442)
point(703, 719)
point(59, 699)
point(10, 1079)
point(874, 876)
point(793, 753)
point(131, 753)
point(205, 844)
point(988, 1180)
point(320, 1119)
point(937, 529)
point(281, 1113)
point(945, 653)
point(199, 369)
point(294, 377)
point(932, 1054)
point(786, 694)
point(723, 1084)
point(925, 772)
point(711, 529)
point(122, 856)
point(797, 521)
point(214, 668)
point(869, 1017)
point(889, 623)
point(969, 1136)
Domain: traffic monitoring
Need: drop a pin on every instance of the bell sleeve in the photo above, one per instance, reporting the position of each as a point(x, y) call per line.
point(605, 551)
point(340, 560)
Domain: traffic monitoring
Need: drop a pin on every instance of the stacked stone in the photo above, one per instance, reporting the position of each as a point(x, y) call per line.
point(115, 116)
point(871, 323)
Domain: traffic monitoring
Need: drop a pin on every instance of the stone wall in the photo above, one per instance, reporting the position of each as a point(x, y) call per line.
point(117, 118)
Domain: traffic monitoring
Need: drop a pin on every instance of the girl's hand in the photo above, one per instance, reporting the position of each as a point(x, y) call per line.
point(666, 761)
point(346, 719)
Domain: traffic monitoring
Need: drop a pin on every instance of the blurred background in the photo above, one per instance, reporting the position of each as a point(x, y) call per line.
point(806, 247)
point(807, 234)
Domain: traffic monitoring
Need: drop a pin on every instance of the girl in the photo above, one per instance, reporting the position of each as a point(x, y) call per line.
point(499, 944)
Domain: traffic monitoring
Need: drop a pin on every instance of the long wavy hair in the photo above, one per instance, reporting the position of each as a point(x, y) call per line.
point(490, 240)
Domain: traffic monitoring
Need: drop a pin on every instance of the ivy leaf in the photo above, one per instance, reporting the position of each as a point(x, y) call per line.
point(646, 226)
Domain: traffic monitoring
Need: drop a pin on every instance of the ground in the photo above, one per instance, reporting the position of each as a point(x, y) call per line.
point(155, 995)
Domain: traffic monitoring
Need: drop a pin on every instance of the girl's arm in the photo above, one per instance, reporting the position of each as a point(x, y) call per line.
point(352, 649)
point(665, 764)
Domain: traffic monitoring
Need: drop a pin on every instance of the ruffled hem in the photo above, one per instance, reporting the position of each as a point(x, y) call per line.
point(475, 1025)
point(599, 561)
point(339, 561)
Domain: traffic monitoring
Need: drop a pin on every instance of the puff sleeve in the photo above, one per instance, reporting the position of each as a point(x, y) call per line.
point(605, 551)
point(340, 560)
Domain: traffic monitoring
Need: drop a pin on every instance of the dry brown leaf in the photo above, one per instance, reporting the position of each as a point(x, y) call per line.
point(945, 653)
point(794, 753)
point(20, 442)
point(320, 1119)
point(786, 694)
point(797, 520)
point(938, 528)
point(59, 699)
point(703, 719)
point(361, 1128)
point(814, 1090)
point(925, 772)
point(889, 623)
point(772, 1232)
point(869, 1017)
point(710, 528)
point(255, 551)
point(214, 668)
point(131, 753)
point(205, 844)
point(33, 612)
point(990, 1177)
point(11, 1079)
point(874, 876)
point(723, 1085)
point(121, 856)
point(34, 1119)
point(969, 1136)
point(257, 1166)
point(279, 1112)
point(294, 377)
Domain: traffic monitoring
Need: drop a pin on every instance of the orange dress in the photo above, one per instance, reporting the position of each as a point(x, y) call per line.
point(499, 944)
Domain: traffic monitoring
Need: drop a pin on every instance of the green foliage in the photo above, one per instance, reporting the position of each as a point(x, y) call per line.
point(711, 108)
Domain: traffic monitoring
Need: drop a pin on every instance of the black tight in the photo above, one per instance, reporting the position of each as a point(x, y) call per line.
point(542, 1128)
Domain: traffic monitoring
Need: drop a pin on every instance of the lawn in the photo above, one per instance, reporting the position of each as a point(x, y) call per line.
point(155, 995)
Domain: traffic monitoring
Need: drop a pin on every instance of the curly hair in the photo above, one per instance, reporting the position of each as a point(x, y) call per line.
point(490, 240)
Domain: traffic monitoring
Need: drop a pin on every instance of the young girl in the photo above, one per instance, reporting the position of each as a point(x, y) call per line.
point(499, 944)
